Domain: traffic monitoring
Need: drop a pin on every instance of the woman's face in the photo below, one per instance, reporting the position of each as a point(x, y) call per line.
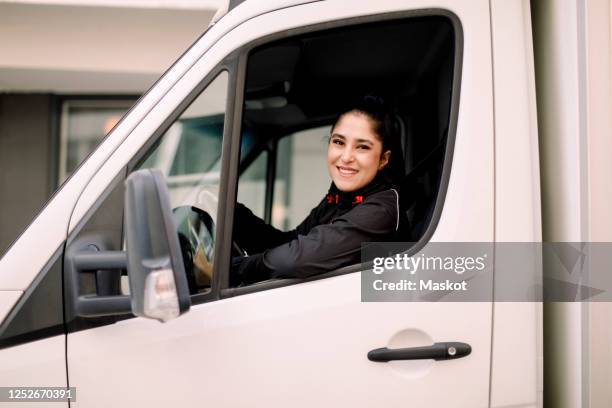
point(354, 154)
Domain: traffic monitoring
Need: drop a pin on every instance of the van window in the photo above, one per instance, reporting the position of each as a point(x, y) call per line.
point(189, 155)
point(301, 177)
point(298, 161)
point(252, 185)
point(295, 88)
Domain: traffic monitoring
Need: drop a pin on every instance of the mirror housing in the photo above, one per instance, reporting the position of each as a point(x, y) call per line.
point(158, 284)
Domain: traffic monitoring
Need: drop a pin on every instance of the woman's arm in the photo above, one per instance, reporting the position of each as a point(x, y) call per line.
point(329, 246)
point(255, 236)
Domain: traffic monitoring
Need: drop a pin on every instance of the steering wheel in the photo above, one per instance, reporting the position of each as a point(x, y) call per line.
point(196, 231)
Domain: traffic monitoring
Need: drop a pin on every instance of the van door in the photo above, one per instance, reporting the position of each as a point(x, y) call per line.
point(33, 341)
point(276, 344)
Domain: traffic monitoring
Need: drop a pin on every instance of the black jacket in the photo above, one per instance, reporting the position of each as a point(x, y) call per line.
point(329, 238)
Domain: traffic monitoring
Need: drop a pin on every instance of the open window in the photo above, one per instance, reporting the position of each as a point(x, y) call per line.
point(189, 155)
point(295, 87)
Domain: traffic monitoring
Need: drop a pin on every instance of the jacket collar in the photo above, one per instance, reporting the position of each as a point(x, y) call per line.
point(345, 199)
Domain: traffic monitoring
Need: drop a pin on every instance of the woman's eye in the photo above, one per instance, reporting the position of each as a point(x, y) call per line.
point(338, 142)
point(363, 147)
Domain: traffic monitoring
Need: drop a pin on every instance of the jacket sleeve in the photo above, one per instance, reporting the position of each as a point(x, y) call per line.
point(328, 246)
point(255, 236)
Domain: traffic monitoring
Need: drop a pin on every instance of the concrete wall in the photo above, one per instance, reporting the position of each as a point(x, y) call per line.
point(70, 49)
point(25, 154)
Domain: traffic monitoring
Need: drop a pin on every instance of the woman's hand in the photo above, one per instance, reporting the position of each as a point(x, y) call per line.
point(203, 268)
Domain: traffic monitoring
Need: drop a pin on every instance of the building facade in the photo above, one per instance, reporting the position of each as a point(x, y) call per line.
point(68, 71)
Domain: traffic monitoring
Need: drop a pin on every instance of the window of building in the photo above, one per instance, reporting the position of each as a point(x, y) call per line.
point(83, 125)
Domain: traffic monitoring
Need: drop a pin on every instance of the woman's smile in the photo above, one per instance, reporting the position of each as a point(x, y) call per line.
point(346, 171)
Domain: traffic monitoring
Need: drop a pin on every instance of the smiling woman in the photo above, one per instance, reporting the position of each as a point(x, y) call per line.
point(360, 144)
point(361, 205)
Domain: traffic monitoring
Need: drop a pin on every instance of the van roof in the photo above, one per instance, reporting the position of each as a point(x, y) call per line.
point(268, 5)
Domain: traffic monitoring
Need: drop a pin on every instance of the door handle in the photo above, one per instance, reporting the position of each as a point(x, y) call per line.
point(437, 351)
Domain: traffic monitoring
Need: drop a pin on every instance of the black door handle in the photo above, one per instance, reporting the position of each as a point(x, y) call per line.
point(437, 351)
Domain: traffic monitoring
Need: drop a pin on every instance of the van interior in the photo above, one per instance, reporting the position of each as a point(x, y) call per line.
point(301, 82)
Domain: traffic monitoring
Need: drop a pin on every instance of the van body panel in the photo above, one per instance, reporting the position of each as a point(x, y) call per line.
point(8, 298)
point(312, 350)
point(574, 103)
point(310, 335)
point(517, 202)
point(517, 169)
point(474, 141)
point(559, 88)
point(599, 126)
point(39, 242)
point(516, 367)
point(559, 39)
point(37, 364)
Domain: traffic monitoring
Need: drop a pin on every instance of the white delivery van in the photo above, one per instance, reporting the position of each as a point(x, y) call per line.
point(242, 116)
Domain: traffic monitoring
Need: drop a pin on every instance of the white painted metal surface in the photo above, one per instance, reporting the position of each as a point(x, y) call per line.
point(599, 126)
point(36, 364)
point(7, 300)
point(559, 41)
point(164, 4)
point(305, 344)
point(517, 361)
point(298, 346)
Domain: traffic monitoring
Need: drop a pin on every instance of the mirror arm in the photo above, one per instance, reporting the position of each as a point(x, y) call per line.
point(94, 260)
point(95, 306)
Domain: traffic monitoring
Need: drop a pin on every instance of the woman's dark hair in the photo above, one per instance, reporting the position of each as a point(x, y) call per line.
point(382, 118)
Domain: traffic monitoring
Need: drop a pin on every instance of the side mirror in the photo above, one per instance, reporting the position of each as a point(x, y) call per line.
point(158, 284)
